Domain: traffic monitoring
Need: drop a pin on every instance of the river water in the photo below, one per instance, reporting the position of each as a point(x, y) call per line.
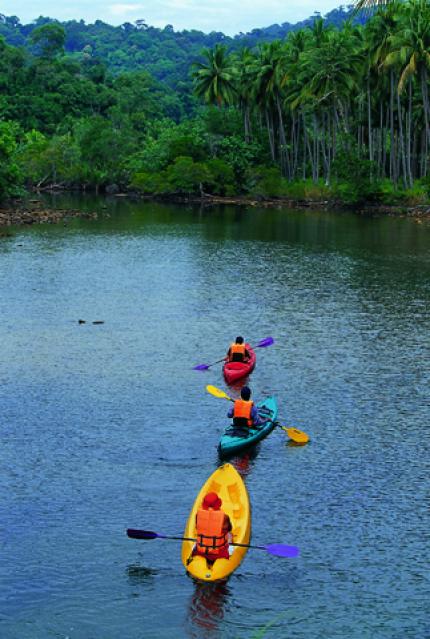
point(106, 426)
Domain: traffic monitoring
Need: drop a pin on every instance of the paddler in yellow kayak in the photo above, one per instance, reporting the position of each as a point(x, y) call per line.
point(213, 526)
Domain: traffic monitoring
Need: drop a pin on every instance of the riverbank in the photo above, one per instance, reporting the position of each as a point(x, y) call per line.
point(418, 210)
point(35, 211)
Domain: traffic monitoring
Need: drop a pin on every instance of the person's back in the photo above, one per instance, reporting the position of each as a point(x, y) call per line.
point(213, 526)
point(244, 413)
point(238, 351)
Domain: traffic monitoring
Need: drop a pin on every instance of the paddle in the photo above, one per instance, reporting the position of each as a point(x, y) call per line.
point(296, 435)
point(277, 550)
point(267, 341)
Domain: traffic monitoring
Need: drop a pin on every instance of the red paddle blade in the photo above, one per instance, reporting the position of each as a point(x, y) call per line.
point(268, 341)
point(282, 550)
point(201, 367)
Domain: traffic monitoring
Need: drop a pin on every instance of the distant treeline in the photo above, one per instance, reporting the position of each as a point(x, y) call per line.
point(324, 113)
point(165, 53)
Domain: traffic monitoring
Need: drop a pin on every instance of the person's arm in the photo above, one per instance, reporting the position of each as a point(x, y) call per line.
point(227, 524)
point(247, 354)
point(256, 417)
point(230, 412)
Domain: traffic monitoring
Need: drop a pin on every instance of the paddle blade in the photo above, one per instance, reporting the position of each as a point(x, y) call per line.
point(297, 435)
point(282, 550)
point(201, 367)
point(141, 534)
point(216, 392)
point(268, 341)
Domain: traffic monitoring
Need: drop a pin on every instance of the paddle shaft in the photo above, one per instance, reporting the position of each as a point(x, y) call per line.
point(172, 538)
point(267, 341)
point(217, 362)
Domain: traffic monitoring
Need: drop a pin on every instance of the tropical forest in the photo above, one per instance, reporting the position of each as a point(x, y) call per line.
point(336, 108)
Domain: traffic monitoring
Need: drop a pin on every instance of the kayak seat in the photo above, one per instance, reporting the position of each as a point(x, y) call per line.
point(237, 510)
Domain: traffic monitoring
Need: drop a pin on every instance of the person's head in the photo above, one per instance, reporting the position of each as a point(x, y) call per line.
point(239, 340)
point(245, 393)
point(212, 501)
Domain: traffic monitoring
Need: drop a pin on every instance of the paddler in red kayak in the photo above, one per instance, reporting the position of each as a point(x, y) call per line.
point(238, 351)
point(244, 412)
point(213, 527)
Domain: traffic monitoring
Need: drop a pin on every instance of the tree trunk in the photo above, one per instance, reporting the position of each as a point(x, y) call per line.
point(402, 143)
point(409, 133)
point(426, 113)
point(369, 121)
point(393, 176)
point(283, 141)
point(270, 134)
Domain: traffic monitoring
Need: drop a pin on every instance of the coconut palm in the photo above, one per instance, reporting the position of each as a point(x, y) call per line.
point(410, 50)
point(269, 73)
point(244, 64)
point(214, 79)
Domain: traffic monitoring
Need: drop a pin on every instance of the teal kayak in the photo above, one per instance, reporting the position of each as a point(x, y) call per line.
point(234, 440)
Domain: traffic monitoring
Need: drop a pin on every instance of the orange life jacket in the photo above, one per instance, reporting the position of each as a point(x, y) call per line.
point(242, 413)
point(211, 536)
point(237, 352)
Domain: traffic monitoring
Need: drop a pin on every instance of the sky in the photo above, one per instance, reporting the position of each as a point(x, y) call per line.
point(228, 16)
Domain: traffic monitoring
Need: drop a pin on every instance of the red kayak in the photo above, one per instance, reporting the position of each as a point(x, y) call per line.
point(236, 370)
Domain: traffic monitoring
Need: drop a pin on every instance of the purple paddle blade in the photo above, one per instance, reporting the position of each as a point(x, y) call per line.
point(201, 367)
point(268, 341)
point(141, 534)
point(282, 550)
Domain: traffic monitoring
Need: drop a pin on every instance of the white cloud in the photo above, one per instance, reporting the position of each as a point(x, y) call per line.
point(124, 9)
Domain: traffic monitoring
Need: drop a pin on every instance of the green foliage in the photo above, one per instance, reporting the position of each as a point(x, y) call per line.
point(10, 174)
point(187, 176)
point(32, 156)
point(49, 40)
point(353, 176)
point(222, 177)
point(150, 183)
point(266, 182)
point(320, 103)
point(240, 155)
point(308, 190)
point(167, 140)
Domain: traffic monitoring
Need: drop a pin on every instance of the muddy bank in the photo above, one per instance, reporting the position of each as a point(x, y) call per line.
point(419, 210)
point(36, 212)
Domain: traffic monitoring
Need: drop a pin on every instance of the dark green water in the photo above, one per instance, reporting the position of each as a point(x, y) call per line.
point(106, 426)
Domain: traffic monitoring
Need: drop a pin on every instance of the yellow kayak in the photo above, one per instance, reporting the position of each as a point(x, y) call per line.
point(228, 484)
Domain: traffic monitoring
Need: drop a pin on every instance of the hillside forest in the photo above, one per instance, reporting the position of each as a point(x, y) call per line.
point(330, 109)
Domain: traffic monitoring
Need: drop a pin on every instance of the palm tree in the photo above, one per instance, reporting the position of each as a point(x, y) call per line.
point(245, 63)
point(269, 76)
point(214, 80)
point(410, 49)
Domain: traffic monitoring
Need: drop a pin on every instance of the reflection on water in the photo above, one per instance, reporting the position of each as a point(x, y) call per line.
point(206, 608)
point(245, 462)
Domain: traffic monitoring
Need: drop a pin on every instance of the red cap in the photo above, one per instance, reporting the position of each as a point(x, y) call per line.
point(212, 501)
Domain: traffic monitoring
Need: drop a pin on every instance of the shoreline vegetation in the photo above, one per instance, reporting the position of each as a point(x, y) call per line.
point(35, 211)
point(327, 116)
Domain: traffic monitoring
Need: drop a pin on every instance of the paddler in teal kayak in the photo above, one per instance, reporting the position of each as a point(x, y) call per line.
point(244, 413)
point(238, 351)
point(212, 529)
